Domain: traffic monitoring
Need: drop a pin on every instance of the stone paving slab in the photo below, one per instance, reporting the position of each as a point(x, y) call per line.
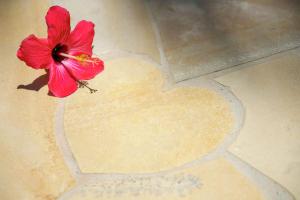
point(270, 139)
point(131, 125)
point(204, 36)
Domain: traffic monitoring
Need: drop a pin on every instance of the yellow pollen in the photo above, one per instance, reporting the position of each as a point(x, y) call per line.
point(83, 58)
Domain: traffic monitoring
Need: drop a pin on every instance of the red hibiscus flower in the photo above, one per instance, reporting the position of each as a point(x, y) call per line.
point(66, 55)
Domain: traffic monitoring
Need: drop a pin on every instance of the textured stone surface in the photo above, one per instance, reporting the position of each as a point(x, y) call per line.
point(203, 36)
point(270, 138)
point(31, 166)
point(131, 125)
point(131, 109)
point(121, 25)
point(219, 180)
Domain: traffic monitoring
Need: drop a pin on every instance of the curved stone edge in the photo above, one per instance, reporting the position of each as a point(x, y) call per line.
point(62, 142)
point(234, 104)
point(270, 188)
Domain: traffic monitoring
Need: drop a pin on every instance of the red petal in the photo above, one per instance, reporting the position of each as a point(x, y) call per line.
point(35, 52)
point(61, 84)
point(81, 38)
point(58, 22)
point(84, 71)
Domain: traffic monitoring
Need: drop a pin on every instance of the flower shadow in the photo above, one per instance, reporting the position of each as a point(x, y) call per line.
point(36, 84)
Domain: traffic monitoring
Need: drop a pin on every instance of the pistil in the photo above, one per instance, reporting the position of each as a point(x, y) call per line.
point(83, 84)
point(82, 58)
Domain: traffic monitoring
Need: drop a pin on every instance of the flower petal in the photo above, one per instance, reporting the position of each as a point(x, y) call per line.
point(58, 22)
point(81, 38)
point(61, 84)
point(84, 70)
point(35, 52)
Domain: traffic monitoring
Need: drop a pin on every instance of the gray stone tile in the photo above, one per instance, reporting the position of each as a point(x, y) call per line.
point(204, 36)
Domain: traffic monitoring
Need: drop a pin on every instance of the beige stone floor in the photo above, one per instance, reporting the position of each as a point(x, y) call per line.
point(270, 137)
point(229, 135)
point(31, 166)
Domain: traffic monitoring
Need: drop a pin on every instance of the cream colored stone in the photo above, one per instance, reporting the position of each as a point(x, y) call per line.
point(200, 37)
point(31, 166)
point(220, 180)
point(121, 25)
point(270, 139)
point(131, 125)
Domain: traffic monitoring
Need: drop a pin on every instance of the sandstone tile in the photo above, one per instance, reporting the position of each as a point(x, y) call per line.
point(204, 36)
point(31, 166)
point(270, 139)
point(131, 125)
point(121, 25)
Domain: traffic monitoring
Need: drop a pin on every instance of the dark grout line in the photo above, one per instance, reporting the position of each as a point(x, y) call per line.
point(237, 65)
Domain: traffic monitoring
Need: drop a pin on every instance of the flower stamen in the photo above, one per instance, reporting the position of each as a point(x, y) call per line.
point(82, 58)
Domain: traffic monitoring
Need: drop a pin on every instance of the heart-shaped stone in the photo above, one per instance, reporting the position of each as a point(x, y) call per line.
point(131, 125)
